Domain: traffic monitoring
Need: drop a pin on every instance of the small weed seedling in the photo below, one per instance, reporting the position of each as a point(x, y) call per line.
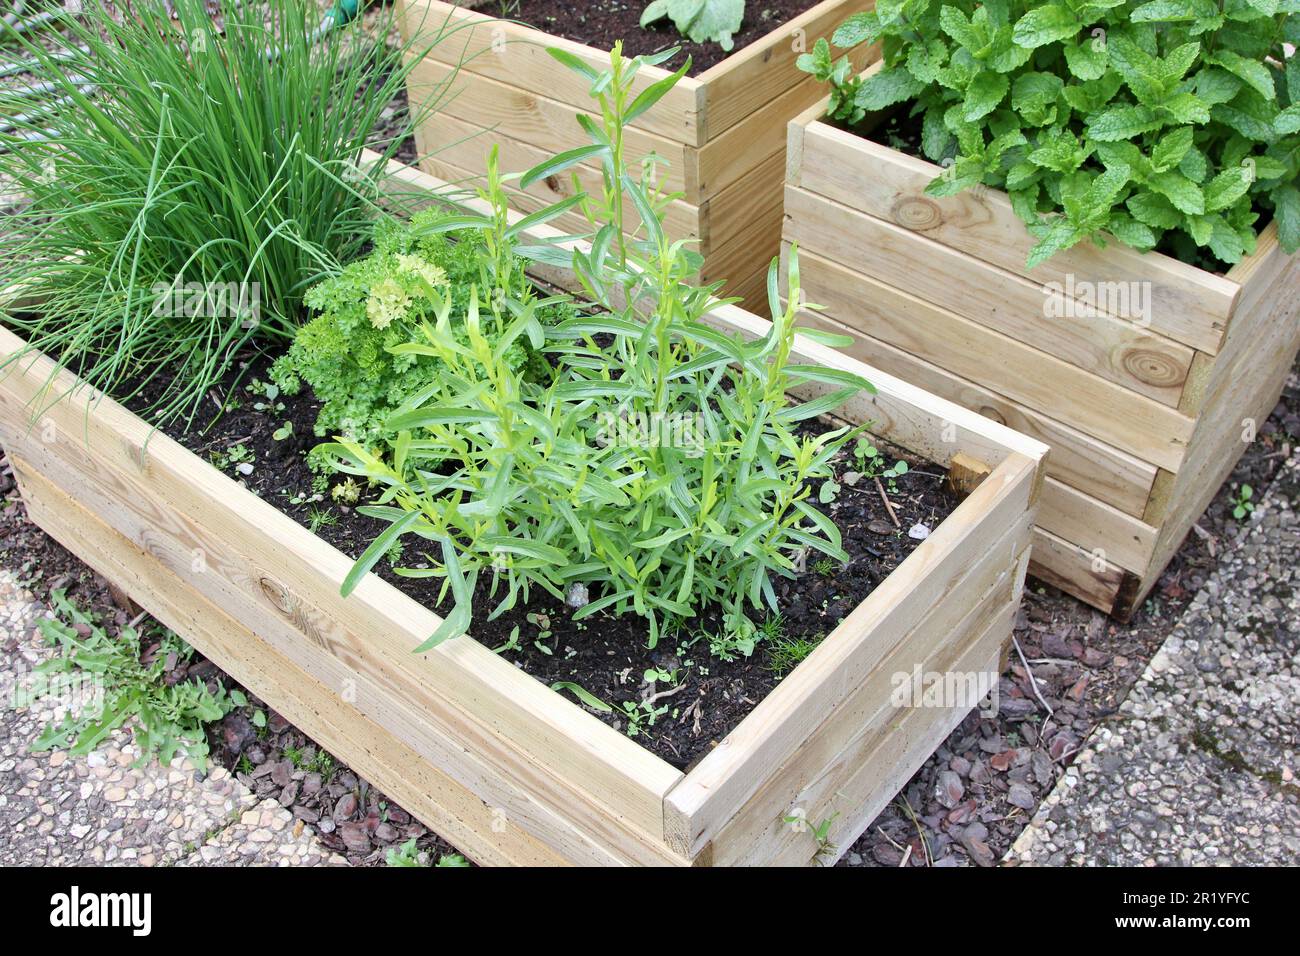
point(408, 855)
point(1241, 503)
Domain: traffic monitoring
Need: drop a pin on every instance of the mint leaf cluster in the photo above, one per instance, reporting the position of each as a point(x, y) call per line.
point(375, 304)
point(1170, 124)
point(700, 21)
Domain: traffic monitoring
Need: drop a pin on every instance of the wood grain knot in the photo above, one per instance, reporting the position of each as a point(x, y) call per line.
point(988, 411)
point(917, 213)
point(278, 595)
point(1153, 368)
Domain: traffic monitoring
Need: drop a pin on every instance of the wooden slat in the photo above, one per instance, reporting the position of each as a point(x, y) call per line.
point(1078, 460)
point(1069, 567)
point(749, 837)
point(1190, 305)
point(742, 83)
point(1094, 525)
point(532, 733)
point(895, 741)
point(729, 775)
point(456, 813)
point(727, 217)
point(516, 54)
point(1102, 346)
point(530, 116)
point(454, 150)
point(1150, 431)
point(1245, 385)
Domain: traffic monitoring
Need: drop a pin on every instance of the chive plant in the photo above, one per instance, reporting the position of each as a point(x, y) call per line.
point(657, 468)
point(187, 178)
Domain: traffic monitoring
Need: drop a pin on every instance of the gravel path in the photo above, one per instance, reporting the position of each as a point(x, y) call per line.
point(1199, 765)
point(99, 809)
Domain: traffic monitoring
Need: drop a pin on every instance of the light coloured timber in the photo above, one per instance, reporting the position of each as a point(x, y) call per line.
point(1104, 347)
point(1148, 430)
point(1189, 305)
point(514, 53)
point(908, 271)
point(1077, 459)
point(853, 790)
point(987, 582)
point(1067, 566)
point(575, 787)
point(319, 711)
point(721, 133)
point(699, 806)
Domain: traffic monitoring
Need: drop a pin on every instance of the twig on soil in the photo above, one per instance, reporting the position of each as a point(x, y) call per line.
point(907, 856)
point(920, 831)
point(664, 693)
point(1033, 681)
point(888, 505)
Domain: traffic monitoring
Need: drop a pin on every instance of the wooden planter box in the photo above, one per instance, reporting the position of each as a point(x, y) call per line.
point(722, 133)
point(1145, 419)
point(503, 767)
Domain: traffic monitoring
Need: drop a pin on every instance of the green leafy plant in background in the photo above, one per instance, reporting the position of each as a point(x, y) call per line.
point(201, 174)
point(1169, 124)
point(378, 302)
point(168, 719)
point(700, 21)
point(534, 485)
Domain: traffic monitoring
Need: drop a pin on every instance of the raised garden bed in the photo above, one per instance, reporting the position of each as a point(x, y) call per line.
point(721, 131)
point(1145, 419)
point(505, 768)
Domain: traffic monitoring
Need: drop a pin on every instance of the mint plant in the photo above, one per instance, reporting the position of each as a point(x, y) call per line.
point(1169, 124)
point(700, 21)
point(537, 486)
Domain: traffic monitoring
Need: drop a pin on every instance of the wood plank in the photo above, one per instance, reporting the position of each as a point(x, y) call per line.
point(540, 121)
point(729, 216)
point(514, 53)
point(1090, 578)
point(1152, 432)
point(761, 72)
point(726, 159)
point(1189, 305)
point(447, 143)
point(458, 815)
point(699, 806)
point(747, 838)
point(527, 728)
point(1078, 460)
point(1245, 386)
point(1096, 527)
point(582, 830)
point(1109, 348)
point(894, 742)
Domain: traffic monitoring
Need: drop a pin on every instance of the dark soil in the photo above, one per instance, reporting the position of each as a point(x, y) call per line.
point(601, 22)
point(605, 654)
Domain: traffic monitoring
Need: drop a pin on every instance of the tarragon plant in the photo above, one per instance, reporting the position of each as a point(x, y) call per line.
point(1171, 124)
point(658, 469)
point(700, 21)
